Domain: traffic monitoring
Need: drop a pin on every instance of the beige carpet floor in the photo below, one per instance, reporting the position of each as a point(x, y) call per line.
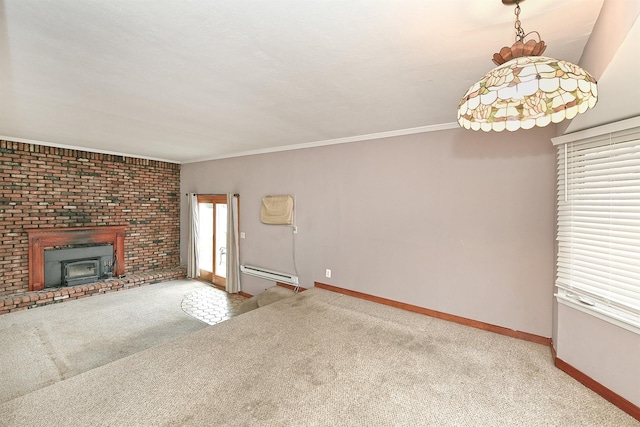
point(323, 359)
point(48, 344)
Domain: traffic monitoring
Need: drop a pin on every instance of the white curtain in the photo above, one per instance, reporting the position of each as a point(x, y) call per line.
point(192, 250)
point(233, 252)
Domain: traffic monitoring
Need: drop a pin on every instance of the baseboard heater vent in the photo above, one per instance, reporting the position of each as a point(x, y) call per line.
point(265, 273)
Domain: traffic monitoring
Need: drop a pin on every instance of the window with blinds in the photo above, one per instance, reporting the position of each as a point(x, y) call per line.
point(598, 235)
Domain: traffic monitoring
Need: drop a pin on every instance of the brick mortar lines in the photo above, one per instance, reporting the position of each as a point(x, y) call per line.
point(29, 300)
point(44, 187)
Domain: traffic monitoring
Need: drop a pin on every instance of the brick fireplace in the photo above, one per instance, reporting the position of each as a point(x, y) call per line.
point(51, 189)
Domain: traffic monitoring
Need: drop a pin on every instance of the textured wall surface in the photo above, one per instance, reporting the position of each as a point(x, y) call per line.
point(44, 187)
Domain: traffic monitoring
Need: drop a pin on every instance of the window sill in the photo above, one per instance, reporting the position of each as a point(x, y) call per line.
point(608, 315)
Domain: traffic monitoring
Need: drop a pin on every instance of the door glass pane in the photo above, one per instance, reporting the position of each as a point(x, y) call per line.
point(205, 236)
point(221, 240)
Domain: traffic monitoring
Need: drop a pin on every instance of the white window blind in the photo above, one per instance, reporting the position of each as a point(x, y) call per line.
point(598, 260)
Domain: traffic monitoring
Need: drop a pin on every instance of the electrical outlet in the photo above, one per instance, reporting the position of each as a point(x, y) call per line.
point(327, 272)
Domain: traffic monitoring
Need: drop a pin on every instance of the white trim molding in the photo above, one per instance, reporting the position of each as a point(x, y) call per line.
point(356, 138)
point(78, 148)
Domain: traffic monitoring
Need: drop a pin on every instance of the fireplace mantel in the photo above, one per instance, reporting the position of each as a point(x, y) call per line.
point(42, 238)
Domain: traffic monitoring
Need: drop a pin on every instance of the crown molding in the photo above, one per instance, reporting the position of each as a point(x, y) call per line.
point(301, 146)
point(345, 140)
point(87, 149)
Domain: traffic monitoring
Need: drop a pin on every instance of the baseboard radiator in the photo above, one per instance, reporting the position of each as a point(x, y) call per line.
point(265, 273)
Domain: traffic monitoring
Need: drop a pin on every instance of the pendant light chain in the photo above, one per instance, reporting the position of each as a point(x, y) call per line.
point(519, 31)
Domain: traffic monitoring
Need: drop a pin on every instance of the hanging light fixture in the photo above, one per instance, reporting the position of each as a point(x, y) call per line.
point(526, 89)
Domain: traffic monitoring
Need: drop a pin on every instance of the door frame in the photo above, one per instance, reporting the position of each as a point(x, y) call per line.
point(203, 274)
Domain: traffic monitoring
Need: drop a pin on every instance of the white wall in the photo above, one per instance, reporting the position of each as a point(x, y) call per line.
point(455, 221)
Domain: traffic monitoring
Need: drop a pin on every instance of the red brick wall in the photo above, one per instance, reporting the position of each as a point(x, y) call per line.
point(56, 187)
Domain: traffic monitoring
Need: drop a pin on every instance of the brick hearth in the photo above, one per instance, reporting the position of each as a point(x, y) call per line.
point(26, 300)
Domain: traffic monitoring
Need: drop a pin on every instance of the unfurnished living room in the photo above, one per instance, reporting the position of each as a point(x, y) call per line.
point(319, 213)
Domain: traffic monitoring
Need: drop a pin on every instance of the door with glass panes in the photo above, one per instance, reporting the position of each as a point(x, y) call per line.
point(212, 238)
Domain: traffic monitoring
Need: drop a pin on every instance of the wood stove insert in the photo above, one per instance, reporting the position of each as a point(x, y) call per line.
point(41, 239)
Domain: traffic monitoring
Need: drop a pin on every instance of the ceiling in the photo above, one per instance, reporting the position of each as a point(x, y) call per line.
point(191, 80)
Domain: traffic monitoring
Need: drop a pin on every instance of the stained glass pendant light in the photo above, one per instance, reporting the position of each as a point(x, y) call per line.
point(526, 89)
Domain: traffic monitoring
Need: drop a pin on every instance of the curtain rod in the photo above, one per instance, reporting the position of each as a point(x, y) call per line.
point(235, 195)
